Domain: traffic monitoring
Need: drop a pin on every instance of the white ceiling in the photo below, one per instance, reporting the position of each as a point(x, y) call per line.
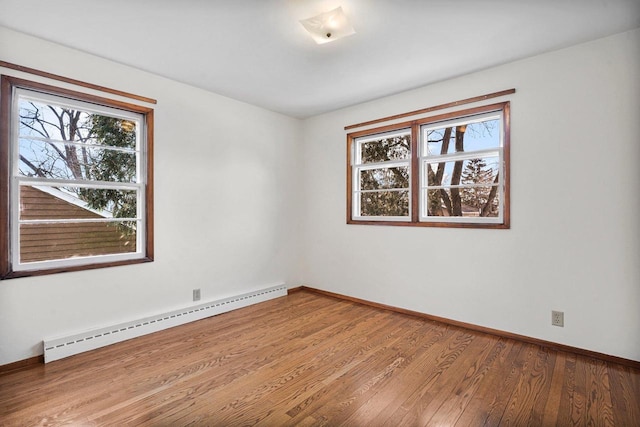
point(256, 50)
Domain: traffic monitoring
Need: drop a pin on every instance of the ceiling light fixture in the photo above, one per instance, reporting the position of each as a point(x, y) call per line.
point(328, 26)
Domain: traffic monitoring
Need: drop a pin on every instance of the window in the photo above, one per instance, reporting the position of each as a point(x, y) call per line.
point(382, 170)
point(450, 170)
point(78, 192)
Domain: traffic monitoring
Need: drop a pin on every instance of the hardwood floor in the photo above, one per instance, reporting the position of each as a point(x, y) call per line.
point(309, 360)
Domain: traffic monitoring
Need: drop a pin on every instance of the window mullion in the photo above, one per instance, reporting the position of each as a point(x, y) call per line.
point(75, 143)
point(465, 155)
point(382, 190)
point(414, 192)
point(383, 165)
point(22, 180)
point(437, 187)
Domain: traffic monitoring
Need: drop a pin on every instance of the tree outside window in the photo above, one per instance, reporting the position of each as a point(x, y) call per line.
point(450, 170)
point(79, 185)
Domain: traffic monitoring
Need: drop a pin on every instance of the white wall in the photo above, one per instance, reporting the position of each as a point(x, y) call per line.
point(574, 244)
point(226, 207)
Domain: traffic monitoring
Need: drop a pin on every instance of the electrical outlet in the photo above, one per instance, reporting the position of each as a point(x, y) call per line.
point(557, 318)
point(196, 294)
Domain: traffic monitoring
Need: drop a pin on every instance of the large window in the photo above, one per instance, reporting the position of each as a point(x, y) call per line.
point(78, 192)
point(449, 170)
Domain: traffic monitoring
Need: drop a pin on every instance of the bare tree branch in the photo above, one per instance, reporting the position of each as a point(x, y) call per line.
point(38, 171)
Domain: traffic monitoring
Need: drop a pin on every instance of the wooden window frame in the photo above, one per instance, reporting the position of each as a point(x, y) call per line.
point(8, 85)
point(414, 189)
point(358, 167)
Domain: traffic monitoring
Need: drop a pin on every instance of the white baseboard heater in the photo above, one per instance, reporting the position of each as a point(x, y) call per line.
point(61, 347)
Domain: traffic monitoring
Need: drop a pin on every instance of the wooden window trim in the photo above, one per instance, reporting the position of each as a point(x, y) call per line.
point(434, 108)
point(80, 83)
point(415, 176)
point(7, 85)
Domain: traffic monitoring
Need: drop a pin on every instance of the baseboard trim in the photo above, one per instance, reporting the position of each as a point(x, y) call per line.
point(37, 360)
point(22, 364)
point(543, 343)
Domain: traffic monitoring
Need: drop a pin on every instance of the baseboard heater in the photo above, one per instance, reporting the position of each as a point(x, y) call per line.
point(61, 347)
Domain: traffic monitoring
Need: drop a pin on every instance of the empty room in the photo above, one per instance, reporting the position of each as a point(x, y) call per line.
point(320, 212)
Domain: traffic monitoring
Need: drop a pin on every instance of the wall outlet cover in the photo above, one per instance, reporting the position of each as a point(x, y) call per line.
point(557, 318)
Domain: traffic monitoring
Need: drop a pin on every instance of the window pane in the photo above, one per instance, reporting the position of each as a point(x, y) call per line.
point(57, 160)
point(464, 202)
point(472, 171)
point(384, 203)
point(42, 242)
point(59, 123)
point(384, 178)
point(43, 202)
point(386, 148)
point(472, 137)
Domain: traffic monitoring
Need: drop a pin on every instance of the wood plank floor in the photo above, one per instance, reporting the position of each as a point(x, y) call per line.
point(312, 360)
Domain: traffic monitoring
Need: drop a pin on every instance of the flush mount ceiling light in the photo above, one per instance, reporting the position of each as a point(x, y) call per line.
point(328, 26)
